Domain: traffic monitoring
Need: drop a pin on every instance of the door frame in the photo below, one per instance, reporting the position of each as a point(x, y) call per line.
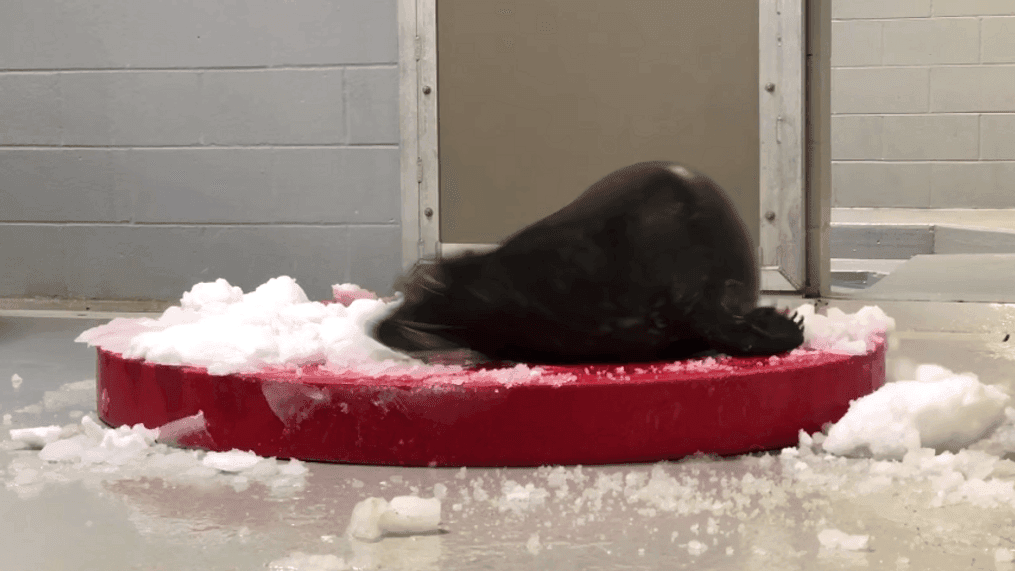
point(795, 180)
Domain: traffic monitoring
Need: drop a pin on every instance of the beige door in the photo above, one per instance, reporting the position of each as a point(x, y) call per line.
point(541, 98)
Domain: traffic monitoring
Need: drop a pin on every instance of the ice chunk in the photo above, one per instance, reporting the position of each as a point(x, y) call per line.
point(835, 539)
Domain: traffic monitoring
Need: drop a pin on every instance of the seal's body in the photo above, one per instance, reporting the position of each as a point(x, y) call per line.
point(651, 263)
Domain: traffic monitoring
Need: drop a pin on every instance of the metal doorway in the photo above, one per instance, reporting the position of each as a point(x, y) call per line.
point(511, 109)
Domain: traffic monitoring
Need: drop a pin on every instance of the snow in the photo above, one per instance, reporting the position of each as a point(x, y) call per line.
point(88, 450)
point(226, 331)
point(373, 518)
point(220, 328)
point(299, 561)
point(36, 437)
point(838, 332)
point(835, 539)
point(232, 461)
point(939, 410)
point(696, 548)
point(533, 545)
point(16, 381)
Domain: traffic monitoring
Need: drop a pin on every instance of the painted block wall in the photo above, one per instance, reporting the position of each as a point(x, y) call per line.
point(148, 145)
point(923, 103)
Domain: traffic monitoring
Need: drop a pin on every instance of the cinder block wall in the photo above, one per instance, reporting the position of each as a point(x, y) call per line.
point(923, 103)
point(148, 145)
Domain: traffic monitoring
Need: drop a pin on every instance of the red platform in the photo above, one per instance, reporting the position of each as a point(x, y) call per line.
point(649, 413)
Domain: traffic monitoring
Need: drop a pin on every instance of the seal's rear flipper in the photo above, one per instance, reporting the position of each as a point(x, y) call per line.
point(763, 331)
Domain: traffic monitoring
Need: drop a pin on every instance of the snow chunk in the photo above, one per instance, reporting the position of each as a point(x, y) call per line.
point(532, 545)
point(938, 410)
point(231, 461)
point(835, 539)
point(696, 548)
point(299, 561)
point(373, 518)
point(36, 437)
point(838, 332)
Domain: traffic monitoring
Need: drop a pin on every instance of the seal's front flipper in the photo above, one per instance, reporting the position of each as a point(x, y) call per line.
point(763, 331)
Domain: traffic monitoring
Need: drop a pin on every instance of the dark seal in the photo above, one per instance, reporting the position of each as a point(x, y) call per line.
point(651, 263)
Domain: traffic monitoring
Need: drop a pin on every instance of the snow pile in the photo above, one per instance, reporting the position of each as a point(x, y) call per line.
point(78, 452)
point(373, 518)
point(939, 410)
point(839, 332)
point(218, 327)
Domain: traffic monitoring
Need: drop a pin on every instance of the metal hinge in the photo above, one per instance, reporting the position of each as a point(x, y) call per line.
point(418, 48)
point(419, 169)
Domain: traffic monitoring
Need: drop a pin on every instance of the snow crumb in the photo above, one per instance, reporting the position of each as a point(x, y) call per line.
point(835, 539)
point(373, 518)
point(533, 545)
point(938, 410)
point(518, 498)
point(299, 561)
point(16, 381)
point(696, 548)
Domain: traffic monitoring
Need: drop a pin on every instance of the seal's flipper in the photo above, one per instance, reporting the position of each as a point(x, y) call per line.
point(763, 331)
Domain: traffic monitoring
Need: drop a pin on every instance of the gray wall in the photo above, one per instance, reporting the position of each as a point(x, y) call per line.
point(148, 145)
point(923, 103)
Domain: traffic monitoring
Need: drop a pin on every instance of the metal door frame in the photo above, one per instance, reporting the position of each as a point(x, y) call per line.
point(795, 160)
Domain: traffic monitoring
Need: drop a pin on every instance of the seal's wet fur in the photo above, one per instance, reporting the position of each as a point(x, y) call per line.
point(651, 263)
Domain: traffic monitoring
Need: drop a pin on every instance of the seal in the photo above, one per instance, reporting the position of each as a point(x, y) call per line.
point(651, 263)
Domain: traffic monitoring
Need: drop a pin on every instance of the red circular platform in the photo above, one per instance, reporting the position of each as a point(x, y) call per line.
point(650, 412)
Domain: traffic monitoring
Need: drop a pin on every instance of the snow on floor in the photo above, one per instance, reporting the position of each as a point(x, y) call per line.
point(90, 452)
